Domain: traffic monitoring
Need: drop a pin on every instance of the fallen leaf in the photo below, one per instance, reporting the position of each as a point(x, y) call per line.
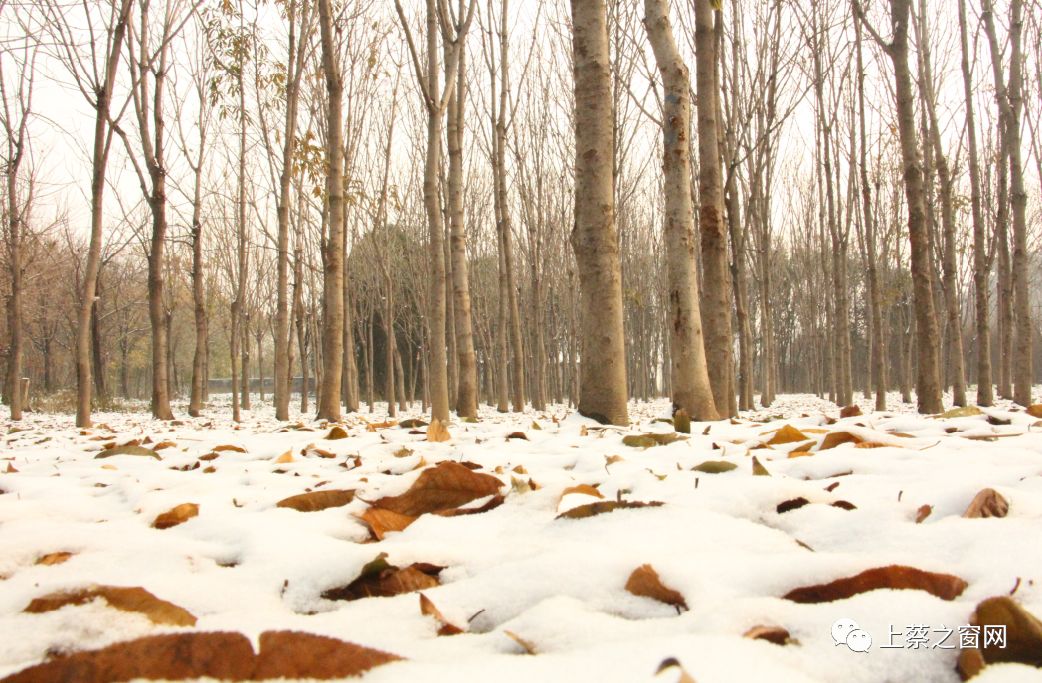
point(584, 489)
point(970, 663)
point(793, 504)
point(164, 444)
point(177, 515)
point(447, 485)
point(1035, 410)
point(599, 508)
point(11, 469)
point(758, 469)
point(526, 645)
point(437, 432)
point(645, 582)
point(787, 434)
point(54, 558)
point(213, 655)
point(229, 448)
point(285, 458)
point(987, 503)
point(382, 579)
point(412, 423)
point(445, 627)
point(126, 599)
point(381, 521)
point(1023, 631)
point(850, 411)
point(337, 432)
point(772, 634)
point(682, 421)
point(129, 449)
point(944, 586)
point(714, 467)
point(833, 439)
point(671, 663)
point(517, 435)
point(968, 411)
point(639, 441)
point(922, 513)
point(318, 500)
point(312, 449)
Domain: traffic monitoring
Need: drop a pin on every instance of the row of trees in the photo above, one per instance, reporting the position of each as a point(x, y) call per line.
point(457, 201)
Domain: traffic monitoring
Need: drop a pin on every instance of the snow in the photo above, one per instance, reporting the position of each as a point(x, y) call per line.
point(245, 565)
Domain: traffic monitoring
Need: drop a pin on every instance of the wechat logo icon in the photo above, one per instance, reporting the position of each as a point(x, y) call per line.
point(847, 632)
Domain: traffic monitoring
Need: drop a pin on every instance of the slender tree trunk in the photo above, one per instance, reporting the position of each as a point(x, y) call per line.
point(716, 314)
point(99, 163)
point(466, 399)
point(333, 250)
point(689, 375)
point(602, 393)
point(1011, 101)
point(981, 265)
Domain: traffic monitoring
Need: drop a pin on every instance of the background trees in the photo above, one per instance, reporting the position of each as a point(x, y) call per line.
point(867, 209)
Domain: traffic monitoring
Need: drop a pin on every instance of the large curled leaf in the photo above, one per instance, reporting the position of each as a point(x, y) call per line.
point(447, 485)
point(318, 500)
point(944, 586)
point(645, 582)
point(126, 599)
point(221, 656)
point(1023, 631)
point(833, 439)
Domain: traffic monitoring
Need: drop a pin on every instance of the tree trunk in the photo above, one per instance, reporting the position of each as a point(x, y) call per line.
point(602, 393)
point(333, 250)
point(981, 265)
point(689, 375)
point(716, 314)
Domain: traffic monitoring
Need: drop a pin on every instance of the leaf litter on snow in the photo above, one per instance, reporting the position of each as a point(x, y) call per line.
point(540, 533)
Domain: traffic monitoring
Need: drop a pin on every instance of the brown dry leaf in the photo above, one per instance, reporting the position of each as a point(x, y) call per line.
point(922, 513)
point(969, 664)
point(177, 515)
point(382, 579)
point(493, 503)
point(127, 599)
point(987, 503)
point(850, 411)
point(445, 627)
point(381, 521)
point(833, 439)
point(11, 469)
point(312, 449)
point(54, 558)
point(1035, 410)
point(128, 449)
point(285, 458)
point(787, 434)
point(758, 469)
point(437, 432)
point(222, 656)
point(793, 504)
point(671, 663)
point(598, 508)
point(871, 444)
point(337, 432)
point(318, 500)
point(526, 645)
point(1023, 631)
point(772, 634)
point(164, 444)
point(228, 448)
point(583, 431)
point(612, 459)
point(645, 582)
point(944, 586)
point(799, 454)
point(445, 486)
point(517, 435)
point(584, 489)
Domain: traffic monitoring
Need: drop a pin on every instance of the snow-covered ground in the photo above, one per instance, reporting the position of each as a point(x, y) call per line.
point(556, 585)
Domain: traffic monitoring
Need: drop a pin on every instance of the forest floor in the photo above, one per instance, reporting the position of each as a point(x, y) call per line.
point(539, 595)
